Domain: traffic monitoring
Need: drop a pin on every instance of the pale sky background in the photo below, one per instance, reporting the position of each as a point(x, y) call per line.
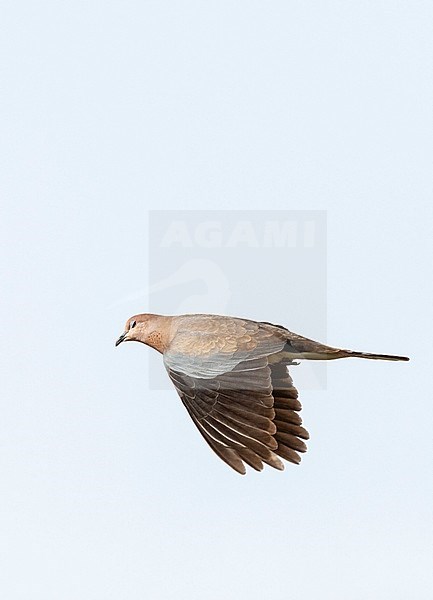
point(109, 110)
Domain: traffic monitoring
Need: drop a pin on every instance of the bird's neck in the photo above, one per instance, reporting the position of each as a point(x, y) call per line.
point(159, 334)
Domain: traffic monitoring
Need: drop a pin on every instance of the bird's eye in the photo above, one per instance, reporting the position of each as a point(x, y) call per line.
point(132, 324)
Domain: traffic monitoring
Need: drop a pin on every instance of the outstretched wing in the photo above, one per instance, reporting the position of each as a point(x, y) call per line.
point(248, 414)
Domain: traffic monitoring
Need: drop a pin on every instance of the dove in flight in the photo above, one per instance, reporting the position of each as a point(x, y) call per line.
point(232, 377)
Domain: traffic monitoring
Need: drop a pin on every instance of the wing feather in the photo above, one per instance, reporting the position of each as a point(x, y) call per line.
point(246, 415)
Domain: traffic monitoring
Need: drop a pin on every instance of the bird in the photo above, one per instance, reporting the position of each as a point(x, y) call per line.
point(232, 377)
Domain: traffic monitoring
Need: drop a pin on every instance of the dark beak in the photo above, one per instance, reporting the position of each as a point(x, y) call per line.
point(120, 340)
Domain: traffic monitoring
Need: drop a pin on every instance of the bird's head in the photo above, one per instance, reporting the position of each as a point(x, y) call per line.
point(137, 329)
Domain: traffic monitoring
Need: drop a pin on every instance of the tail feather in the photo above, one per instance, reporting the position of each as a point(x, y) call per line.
point(375, 356)
point(298, 347)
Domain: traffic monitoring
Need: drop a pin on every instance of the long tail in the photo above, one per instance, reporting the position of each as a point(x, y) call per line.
point(350, 353)
point(298, 347)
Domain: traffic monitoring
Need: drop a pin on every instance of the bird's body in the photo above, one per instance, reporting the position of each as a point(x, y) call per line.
point(231, 375)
